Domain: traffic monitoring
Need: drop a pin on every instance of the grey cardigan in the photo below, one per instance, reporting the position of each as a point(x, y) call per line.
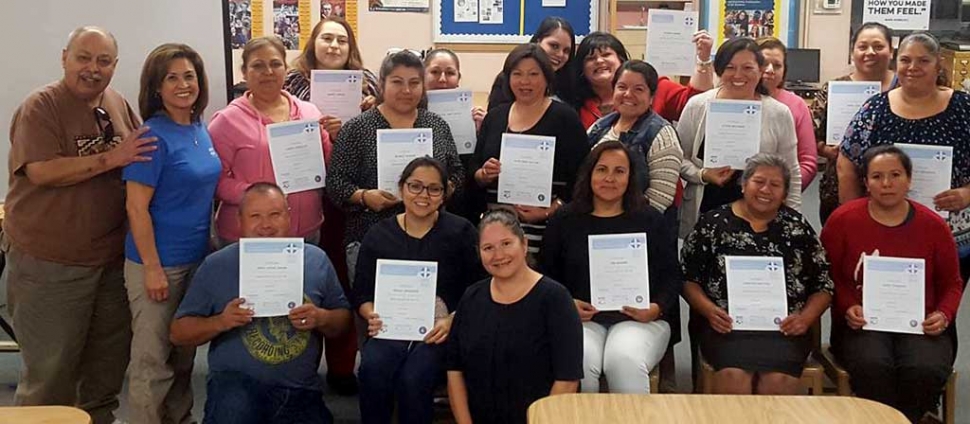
point(777, 136)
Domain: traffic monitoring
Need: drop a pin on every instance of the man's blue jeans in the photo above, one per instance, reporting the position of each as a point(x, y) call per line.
point(234, 398)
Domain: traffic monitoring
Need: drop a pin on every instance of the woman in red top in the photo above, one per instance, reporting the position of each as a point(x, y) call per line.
point(599, 56)
point(905, 371)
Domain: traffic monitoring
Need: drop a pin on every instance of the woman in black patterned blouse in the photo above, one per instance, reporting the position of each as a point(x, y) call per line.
point(759, 224)
point(352, 177)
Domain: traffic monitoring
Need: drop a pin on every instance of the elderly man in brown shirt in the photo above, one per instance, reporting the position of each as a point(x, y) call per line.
point(64, 231)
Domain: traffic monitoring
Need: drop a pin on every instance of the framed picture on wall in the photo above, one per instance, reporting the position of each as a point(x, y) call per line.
point(727, 19)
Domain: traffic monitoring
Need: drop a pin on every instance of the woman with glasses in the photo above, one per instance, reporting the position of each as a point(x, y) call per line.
point(239, 136)
point(406, 370)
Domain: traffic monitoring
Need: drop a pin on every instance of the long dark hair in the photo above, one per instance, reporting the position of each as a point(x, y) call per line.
point(633, 198)
point(564, 80)
point(592, 43)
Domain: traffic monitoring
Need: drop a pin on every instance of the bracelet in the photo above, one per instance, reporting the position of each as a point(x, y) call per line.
point(708, 62)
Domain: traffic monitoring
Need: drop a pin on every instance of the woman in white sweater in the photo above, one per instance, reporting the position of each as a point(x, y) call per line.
point(739, 65)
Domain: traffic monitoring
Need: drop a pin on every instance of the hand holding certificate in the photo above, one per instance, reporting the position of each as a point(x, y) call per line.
point(455, 107)
point(337, 93)
point(669, 41)
point(756, 292)
point(527, 164)
point(297, 155)
point(932, 172)
point(893, 293)
point(732, 133)
point(396, 149)
point(618, 274)
point(404, 298)
point(845, 99)
point(271, 275)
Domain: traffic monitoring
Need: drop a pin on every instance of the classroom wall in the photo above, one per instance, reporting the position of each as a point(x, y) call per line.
point(35, 32)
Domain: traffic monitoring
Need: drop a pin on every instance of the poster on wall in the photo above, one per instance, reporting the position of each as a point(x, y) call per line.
point(729, 19)
point(240, 22)
point(286, 23)
point(491, 12)
point(340, 9)
point(420, 6)
point(898, 14)
point(466, 10)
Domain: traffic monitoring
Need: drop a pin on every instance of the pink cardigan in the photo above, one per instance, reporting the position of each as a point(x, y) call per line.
point(805, 131)
point(239, 136)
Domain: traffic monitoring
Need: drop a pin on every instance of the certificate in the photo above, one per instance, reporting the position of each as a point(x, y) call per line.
point(893, 293)
point(669, 41)
point(396, 149)
point(618, 271)
point(732, 133)
point(404, 297)
point(932, 172)
point(296, 152)
point(337, 93)
point(527, 162)
point(271, 275)
point(455, 107)
point(756, 292)
point(845, 99)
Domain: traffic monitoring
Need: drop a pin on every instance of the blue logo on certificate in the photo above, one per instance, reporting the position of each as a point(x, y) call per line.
point(422, 330)
point(425, 273)
point(639, 299)
point(542, 197)
point(777, 321)
point(421, 138)
point(912, 323)
point(291, 305)
point(772, 266)
point(635, 244)
point(292, 249)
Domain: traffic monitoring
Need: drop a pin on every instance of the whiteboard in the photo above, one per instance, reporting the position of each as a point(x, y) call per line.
point(35, 32)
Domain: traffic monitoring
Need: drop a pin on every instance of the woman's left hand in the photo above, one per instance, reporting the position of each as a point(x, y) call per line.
point(367, 103)
point(703, 43)
point(795, 324)
point(439, 333)
point(642, 315)
point(934, 324)
point(531, 214)
point(331, 124)
point(953, 200)
point(478, 115)
point(304, 317)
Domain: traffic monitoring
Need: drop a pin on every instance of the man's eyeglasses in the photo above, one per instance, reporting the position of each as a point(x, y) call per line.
point(104, 123)
point(417, 188)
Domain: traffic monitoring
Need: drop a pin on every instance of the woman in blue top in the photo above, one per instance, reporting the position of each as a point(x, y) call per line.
point(169, 207)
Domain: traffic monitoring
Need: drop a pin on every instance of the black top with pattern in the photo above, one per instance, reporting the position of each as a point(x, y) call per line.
point(875, 124)
point(721, 233)
point(353, 165)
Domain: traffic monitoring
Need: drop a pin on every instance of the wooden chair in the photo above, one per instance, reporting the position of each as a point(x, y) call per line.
point(840, 377)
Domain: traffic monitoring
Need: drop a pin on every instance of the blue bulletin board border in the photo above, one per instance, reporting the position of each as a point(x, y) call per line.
point(520, 19)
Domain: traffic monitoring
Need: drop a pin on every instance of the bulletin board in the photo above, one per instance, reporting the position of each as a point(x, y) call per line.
point(518, 18)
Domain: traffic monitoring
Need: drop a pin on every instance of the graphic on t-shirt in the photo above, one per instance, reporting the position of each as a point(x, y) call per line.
point(88, 145)
point(273, 340)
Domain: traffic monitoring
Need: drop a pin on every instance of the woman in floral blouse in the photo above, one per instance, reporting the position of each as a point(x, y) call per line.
point(759, 224)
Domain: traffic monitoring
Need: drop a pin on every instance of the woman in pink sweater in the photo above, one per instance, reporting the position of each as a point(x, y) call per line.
point(239, 137)
point(773, 79)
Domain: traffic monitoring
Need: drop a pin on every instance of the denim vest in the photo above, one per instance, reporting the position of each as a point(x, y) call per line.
point(638, 139)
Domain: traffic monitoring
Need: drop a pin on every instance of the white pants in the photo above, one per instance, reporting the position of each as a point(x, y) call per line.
point(626, 352)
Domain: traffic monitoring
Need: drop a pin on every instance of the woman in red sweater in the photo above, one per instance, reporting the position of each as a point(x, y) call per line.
point(905, 371)
point(601, 54)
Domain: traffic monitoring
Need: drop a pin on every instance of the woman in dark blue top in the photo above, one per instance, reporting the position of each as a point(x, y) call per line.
point(423, 232)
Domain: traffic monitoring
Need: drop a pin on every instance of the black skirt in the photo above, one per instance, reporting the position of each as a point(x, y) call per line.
point(755, 351)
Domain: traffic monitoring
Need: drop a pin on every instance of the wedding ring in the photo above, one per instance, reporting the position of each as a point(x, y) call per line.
point(303, 321)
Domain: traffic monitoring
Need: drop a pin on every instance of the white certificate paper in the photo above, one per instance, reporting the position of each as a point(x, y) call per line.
point(396, 149)
point(893, 293)
point(271, 275)
point(757, 296)
point(455, 107)
point(732, 133)
point(526, 177)
point(404, 297)
point(618, 271)
point(296, 152)
point(669, 46)
point(845, 99)
point(932, 172)
point(337, 93)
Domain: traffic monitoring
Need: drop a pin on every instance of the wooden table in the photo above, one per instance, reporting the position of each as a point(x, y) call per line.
point(43, 415)
point(720, 409)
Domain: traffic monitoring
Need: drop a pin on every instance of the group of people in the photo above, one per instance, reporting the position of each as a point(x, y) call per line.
point(111, 265)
